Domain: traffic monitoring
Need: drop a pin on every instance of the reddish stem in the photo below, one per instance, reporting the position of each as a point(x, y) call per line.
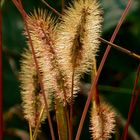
point(18, 5)
point(55, 11)
point(63, 6)
point(133, 102)
point(1, 96)
point(94, 83)
point(24, 16)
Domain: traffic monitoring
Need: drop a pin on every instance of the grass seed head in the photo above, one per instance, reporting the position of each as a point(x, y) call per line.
point(102, 121)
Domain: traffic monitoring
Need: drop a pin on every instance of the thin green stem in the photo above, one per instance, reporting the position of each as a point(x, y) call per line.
point(100, 69)
point(115, 89)
point(30, 131)
point(107, 88)
point(38, 123)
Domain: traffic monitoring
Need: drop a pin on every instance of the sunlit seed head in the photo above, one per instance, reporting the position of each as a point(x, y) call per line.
point(102, 121)
point(78, 35)
point(43, 35)
point(32, 98)
point(41, 28)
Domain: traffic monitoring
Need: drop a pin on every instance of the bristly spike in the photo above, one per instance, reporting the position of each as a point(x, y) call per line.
point(30, 90)
point(78, 35)
point(102, 121)
point(41, 28)
point(43, 34)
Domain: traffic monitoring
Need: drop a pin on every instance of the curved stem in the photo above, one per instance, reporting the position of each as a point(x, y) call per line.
point(136, 56)
point(56, 12)
point(24, 16)
point(100, 69)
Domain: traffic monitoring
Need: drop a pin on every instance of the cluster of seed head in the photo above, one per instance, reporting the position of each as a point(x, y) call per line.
point(63, 52)
point(43, 34)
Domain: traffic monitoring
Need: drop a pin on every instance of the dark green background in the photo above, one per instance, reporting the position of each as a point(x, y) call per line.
point(119, 70)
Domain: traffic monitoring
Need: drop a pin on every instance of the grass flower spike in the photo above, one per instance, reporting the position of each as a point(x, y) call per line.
point(43, 35)
point(41, 28)
point(59, 53)
point(78, 36)
point(102, 121)
point(30, 90)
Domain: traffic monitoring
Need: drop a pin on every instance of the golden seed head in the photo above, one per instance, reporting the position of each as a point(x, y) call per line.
point(32, 99)
point(78, 34)
point(41, 28)
point(43, 35)
point(102, 121)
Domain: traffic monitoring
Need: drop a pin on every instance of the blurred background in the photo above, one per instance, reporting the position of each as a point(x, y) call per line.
point(115, 83)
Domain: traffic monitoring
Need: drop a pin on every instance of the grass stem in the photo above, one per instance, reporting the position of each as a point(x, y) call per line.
point(133, 102)
point(30, 131)
point(121, 49)
point(24, 16)
point(38, 123)
point(100, 69)
point(55, 11)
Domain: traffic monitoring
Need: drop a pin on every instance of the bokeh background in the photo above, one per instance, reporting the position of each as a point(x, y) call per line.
point(116, 80)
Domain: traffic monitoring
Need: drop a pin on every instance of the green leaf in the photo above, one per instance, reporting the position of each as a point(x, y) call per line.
point(61, 120)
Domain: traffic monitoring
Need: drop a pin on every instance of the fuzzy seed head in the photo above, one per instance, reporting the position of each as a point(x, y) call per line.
point(78, 35)
point(43, 35)
point(102, 121)
point(32, 99)
point(41, 28)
